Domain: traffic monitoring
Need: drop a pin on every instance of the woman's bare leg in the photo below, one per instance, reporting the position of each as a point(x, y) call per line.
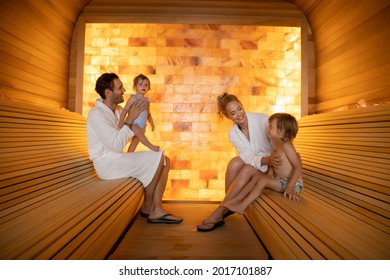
point(246, 189)
point(232, 170)
point(244, 177)
point(214, 217)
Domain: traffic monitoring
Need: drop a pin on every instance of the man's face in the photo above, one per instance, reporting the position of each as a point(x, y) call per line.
point(117, 92)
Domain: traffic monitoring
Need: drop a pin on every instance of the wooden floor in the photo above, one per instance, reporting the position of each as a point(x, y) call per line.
point(234, 240)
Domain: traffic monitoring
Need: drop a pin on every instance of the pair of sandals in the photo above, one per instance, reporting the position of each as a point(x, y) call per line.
point(215, 225)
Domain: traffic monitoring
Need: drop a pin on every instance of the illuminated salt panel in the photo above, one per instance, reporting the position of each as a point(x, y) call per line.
point(189, 66)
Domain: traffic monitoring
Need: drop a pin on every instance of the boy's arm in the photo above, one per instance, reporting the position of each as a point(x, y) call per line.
point(296, 163)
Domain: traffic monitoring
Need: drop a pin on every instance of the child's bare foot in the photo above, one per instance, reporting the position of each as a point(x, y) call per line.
point(154, 148)
point(234, 206)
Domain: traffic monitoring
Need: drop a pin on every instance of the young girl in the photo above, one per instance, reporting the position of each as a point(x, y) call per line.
point(286, 177)
point(141, 86)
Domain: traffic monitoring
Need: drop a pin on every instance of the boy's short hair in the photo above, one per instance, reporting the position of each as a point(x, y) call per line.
point(287, 124)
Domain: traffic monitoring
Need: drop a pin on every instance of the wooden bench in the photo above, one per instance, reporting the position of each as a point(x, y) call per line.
point(52, 204)
point(344, 212)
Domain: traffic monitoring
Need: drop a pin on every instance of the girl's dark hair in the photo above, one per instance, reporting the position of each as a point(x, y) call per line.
point(105, 81)
point(287, 124)
point(223, 100)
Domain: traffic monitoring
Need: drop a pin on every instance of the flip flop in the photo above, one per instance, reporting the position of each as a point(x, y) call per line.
point(215, 225)
point(164, 220)
point(228, 213)
point(143, 214)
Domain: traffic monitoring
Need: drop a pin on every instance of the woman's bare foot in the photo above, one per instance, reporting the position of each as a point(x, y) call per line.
point(213, 221)
point(209, 226)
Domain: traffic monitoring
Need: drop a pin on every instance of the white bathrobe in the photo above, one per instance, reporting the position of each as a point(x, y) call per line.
point(106, 142)
point(259, 145)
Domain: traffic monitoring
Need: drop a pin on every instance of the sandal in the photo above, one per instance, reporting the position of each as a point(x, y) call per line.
point(228, 213)
point(213, 227)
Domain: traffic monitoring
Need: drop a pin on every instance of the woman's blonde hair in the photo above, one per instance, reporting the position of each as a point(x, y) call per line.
point(223, 100)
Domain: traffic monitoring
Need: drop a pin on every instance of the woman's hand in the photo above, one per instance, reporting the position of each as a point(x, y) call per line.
point(134, 111)
point(276, 159)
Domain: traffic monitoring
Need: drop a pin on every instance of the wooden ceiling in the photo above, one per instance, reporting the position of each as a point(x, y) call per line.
point(351, 41)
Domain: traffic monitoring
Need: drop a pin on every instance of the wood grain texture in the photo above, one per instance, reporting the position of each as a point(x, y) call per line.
point(351, 39)
point(344, 211)
point(52, 204)
point(233, 241)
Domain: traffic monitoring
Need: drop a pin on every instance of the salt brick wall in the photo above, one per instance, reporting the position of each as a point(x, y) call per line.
point(189, 66)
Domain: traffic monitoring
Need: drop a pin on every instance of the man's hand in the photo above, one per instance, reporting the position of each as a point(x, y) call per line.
point(135, 109)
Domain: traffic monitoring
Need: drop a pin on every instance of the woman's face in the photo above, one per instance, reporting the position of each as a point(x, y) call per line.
point(235, 111)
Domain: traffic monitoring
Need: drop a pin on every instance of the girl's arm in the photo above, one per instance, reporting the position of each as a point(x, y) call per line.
point(296, 173)
point(125, 110)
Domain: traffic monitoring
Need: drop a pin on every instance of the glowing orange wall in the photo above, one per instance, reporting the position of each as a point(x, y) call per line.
point(189, 66)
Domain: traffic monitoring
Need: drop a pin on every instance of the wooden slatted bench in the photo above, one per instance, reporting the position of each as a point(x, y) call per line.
point(344, 212)
point(52, 204)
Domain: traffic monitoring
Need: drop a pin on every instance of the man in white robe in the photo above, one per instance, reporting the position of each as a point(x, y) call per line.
point(106, 142)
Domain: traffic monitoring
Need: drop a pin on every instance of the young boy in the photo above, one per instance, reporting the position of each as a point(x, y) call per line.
point(141, 86)
point(286, 177)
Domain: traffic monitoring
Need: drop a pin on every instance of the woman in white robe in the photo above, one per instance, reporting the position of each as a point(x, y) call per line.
point(106, 142)
point(249, 136)
point(253, 147)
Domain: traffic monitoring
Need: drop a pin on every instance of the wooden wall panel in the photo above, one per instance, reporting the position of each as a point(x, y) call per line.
point(216, 12)
point(351, 40)
point(35, 38)
point(351, 48)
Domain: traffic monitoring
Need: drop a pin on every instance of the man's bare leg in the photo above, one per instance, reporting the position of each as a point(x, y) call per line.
point(155, 190)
